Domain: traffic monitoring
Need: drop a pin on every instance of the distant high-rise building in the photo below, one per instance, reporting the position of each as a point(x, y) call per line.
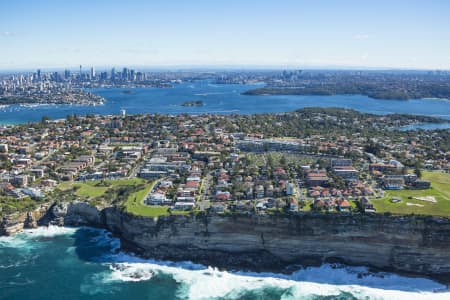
point(125, 74)
point(55, 76)
point(113, 74)
point(103, 75)
point(81, 74)
point(67, 74)
point(39, 74)
point(92, 72)
point(123, 112)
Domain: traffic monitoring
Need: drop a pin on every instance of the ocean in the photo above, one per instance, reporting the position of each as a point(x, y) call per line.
point(218, 99)
point(85, 263)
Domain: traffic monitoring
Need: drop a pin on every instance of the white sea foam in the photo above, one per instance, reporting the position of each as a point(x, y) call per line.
point(92, 285)
point(47, 231)
point(200, 282)
point(22, 240)
point(210, 283)
point(129, 272)
point(12, 242)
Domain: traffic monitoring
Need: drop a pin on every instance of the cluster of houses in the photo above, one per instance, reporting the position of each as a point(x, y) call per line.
point(69, 170)
point(164, 161)
point(179, 150)
point(339, 199)
point(158, 195)
point(186, 194)
point(389, 177)
point(252, 144)
point(343, 168)
point(107, 162)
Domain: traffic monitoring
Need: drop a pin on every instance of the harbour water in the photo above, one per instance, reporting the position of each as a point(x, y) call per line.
point(79, 263)
point(218, 99)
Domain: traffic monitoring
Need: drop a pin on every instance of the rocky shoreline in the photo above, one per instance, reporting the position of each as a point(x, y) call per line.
point(412, 245)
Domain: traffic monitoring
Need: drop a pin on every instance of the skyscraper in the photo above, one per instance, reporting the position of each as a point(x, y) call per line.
point(125, 74)
point(92, 72)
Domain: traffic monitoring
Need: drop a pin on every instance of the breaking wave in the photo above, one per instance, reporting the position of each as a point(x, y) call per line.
point(23, 240)
point(196, 281)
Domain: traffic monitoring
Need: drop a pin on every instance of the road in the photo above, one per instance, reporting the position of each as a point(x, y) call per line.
point(204, 203)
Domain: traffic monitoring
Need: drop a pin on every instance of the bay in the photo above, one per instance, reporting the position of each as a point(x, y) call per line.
point(217, 99)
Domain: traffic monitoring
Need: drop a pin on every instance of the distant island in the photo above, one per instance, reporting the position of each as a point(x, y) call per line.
point(128, 92)
point(193, 103)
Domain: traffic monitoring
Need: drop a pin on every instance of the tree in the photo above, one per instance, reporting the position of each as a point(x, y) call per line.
point(283, 161)
point(418, 172)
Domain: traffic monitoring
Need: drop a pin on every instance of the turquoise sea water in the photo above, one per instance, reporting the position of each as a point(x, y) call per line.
point(67, 263)
point(219, 99)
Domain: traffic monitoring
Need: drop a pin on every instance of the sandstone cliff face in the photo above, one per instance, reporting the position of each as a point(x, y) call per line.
point(419, 245)
point(76, 214)
point(408, 244)
point(11, 224)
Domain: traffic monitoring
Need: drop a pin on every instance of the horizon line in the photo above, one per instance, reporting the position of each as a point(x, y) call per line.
point(225, 67)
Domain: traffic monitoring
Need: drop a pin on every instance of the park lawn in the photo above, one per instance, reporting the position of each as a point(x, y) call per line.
point(440, 189)
point(90, 190)
point(93, 189)
point(147, 210)
point(439, 181)
point(136, 206)
point(183, 212)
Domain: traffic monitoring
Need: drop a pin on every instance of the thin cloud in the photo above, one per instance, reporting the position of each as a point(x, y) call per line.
point(361, 36)
point(7, 34)
point(71, 50)
point(141, 51)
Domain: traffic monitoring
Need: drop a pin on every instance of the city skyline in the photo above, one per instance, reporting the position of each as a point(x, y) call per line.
point(254, 34)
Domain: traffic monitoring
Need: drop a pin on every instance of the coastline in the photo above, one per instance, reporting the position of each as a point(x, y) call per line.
point(103, 266)
point(244, 243)
point(296, 91)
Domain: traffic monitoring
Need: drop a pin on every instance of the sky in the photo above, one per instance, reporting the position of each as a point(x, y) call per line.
point(408, 34)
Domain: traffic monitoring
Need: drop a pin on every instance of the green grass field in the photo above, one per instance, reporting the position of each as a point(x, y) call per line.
point(93, 189)
point(440, 189)
point(135, 205)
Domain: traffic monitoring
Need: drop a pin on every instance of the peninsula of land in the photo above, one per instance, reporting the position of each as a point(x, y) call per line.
point(256, 191)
